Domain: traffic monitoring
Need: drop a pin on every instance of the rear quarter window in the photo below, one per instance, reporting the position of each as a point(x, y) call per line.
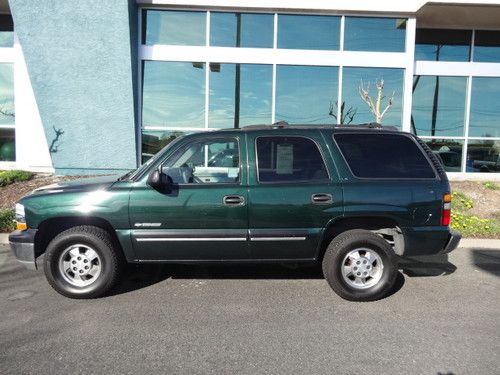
point(383, 156)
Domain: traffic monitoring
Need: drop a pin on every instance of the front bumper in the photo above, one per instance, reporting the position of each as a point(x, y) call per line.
point(22, 244)
point(452, 243)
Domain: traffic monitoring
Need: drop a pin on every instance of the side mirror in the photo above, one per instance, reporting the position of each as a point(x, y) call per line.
point(160, 181)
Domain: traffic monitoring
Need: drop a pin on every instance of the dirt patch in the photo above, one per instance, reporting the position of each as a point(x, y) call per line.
point(10, 194)
point(486, 201)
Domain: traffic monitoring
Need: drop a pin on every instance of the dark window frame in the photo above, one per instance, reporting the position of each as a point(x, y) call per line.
point(288, 182)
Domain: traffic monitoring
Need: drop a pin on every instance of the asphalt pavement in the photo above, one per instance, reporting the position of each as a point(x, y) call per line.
point(441, 318)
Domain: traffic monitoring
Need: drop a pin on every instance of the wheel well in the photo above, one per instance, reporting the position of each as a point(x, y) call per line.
point(387, 228)
point(50, 228)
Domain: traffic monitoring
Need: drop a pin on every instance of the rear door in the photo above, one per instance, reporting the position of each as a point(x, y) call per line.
point(293, 193)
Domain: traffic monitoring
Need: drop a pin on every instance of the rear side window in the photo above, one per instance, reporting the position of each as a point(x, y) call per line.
point(284, 159)
point(383, 156)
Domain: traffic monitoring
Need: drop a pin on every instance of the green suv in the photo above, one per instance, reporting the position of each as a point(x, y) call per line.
point(354, 198)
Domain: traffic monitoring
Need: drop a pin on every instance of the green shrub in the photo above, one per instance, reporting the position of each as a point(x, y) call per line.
point(461, 202)
point(472, 225)
point(8, 177)
point(7, 220)
point(491, 185)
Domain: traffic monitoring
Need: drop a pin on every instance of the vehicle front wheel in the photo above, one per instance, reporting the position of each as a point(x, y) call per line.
point(82, 262)
point(359, 266)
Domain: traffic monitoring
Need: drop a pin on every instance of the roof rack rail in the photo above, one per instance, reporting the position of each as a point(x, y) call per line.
point(369, 125)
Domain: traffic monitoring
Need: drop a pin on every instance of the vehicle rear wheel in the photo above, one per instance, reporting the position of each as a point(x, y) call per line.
point(359, 266)
point(82, 262)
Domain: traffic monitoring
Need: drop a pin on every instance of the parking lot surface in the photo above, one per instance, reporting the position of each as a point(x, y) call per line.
point(442, 318)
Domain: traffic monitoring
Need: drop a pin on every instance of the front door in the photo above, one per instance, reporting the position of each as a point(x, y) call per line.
point(204, 217)
point(294, 192)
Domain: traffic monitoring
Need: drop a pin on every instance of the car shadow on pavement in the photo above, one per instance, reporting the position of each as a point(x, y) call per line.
point(423, 266)
point(137, 276)
point(487, 259)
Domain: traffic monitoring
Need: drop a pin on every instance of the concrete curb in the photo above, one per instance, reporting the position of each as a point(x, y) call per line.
point(465, 242)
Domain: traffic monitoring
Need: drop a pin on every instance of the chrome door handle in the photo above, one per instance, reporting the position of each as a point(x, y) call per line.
point(233, 200)
point(322, 198)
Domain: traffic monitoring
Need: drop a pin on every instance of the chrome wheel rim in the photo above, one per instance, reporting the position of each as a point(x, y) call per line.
point(80, 265)
point(362, 268)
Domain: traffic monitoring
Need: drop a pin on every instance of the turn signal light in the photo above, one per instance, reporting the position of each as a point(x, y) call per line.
point(21, 226)
point(446, 216)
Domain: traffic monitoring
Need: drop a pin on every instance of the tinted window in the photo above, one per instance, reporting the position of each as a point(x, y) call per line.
point(442, 45)
point(383, 156)
point(306, 94)
point(483, 156)
point(174, 27)
point(6, 31)
point(173, 94)
point(375, 34)
point(205, 161)
point(241, 30)
point(355, 78)
point(309, 32)
point(438, 107)
point(484, 108)
point(487, 46)
point(240, 95)
point(449, 151)
point(282, 159)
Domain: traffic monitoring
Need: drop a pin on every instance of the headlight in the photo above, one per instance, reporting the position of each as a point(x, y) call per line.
point(20, 217)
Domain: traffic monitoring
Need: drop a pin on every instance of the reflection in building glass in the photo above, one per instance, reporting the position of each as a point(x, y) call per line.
point(438, 107)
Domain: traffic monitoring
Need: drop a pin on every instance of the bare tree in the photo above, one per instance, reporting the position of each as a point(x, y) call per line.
point(375, 107)
point(346, 117)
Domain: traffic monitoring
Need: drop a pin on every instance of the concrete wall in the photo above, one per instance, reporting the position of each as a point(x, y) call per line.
point(82, 66)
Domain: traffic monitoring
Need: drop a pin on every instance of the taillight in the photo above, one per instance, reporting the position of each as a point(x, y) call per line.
point(446, 216)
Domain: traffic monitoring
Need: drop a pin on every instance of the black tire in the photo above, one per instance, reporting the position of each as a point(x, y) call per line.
point(338, 250)
point(99, 240)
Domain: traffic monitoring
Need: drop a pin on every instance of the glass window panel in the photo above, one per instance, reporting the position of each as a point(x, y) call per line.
point(287, 159)
point(256, 30)
point(483, 156)
point(173, 94)
point(442, 45)
point(353, 78)
point(374, 34)
point(6, 31)
point(7, 112)
point(449, 151)
point(487, 46)
point(309, 32)
point(305, 94)
point(205, 161)
point(174, 27)
point(438, 107)
point(389, 156)
point(244, 89)
point(485, 107)
point(154, 141)
point(7, 145)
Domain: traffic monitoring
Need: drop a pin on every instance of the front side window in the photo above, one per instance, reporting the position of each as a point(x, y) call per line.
point(289, 159)
point(205, 161)
point(383, 156)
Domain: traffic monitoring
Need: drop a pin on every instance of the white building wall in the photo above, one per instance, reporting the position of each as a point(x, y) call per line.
point(32, 151)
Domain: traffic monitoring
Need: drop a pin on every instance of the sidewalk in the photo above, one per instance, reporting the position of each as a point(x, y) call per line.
point(465, 242)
